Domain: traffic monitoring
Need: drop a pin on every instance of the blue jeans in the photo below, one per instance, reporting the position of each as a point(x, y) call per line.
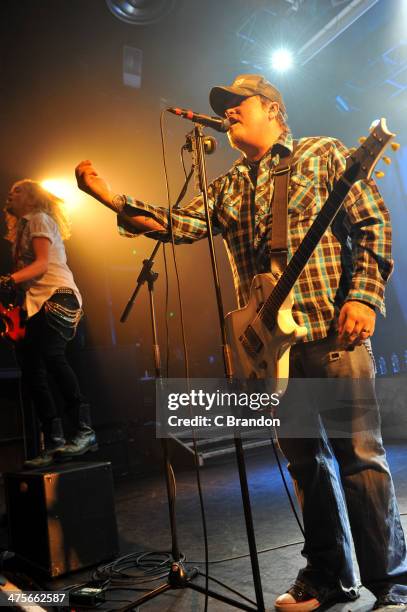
point(362, 503)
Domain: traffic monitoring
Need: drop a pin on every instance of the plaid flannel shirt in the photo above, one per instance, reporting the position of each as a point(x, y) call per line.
point(351, 262)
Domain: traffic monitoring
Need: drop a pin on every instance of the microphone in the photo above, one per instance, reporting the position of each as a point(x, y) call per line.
point(220, 125)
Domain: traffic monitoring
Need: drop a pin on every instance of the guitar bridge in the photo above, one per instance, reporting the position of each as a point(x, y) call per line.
point(251, 342)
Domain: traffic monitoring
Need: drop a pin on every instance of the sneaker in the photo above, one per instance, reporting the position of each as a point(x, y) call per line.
point(83, 442)
point(296, 600)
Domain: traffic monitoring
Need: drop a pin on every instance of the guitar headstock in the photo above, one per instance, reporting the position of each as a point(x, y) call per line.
point(360, 164)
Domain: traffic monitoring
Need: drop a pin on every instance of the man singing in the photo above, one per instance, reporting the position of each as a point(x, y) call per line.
point(335, 298)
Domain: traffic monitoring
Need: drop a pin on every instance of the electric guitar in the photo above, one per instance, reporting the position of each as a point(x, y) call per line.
point(11, 322)
point(261, 334)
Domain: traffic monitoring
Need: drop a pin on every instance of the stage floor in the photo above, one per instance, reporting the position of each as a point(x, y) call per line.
point(142, 516)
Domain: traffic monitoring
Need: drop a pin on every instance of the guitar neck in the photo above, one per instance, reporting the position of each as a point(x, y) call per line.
point(300, 258)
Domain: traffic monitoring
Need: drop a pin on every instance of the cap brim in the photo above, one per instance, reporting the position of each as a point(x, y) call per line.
point(220, 98)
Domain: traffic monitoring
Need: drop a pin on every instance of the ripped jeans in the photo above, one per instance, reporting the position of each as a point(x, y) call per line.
point(362, 503)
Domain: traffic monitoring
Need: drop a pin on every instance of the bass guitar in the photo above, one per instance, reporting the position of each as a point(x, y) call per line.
point(261, 334)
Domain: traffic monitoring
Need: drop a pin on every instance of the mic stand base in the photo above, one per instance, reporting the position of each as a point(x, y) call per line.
point(180, 578)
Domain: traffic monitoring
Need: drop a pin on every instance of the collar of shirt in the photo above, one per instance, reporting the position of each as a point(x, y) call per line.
point(281, 148)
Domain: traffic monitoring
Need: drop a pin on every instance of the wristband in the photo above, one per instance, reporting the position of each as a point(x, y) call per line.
point(7, 282)
point(119, 202)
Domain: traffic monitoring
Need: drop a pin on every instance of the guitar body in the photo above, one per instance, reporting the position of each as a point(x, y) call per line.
point(262, 352)
point(12, 320)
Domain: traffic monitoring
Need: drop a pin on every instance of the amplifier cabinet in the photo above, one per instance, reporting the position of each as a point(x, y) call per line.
point(62, 518)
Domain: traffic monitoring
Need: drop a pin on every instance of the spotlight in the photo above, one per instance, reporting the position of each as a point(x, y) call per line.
point(282, 60)
point(64, 189)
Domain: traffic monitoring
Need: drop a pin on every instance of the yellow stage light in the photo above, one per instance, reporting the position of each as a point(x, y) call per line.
point(65, 189)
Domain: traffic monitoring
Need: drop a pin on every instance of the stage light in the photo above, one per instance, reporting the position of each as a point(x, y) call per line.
point(341, 104)
point(64, 189)
point(282, 60)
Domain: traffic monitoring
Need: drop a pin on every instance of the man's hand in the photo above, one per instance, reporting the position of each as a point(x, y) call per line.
point(90, 182)
point(356, 322)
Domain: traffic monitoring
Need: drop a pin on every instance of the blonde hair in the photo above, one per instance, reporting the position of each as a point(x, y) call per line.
point(40, 200)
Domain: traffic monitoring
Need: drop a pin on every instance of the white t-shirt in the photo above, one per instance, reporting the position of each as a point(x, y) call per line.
point(39, 290)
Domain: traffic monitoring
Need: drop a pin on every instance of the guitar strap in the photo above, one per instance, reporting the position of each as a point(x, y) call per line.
point(279, 211)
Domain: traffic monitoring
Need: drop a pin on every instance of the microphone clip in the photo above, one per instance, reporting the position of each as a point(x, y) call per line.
point(209, 143)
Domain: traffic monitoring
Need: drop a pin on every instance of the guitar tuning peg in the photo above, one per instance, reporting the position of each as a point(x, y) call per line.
point(386, 160)
point(395, 146)
point(379, 174)
point(362, 139)
point(352, 150)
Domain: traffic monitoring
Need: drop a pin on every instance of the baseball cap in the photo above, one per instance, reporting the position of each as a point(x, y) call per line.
point(244, 86)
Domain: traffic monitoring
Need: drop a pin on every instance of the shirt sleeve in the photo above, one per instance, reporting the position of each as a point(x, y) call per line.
point(188, 222)
point(42, 225)
point(370, 233)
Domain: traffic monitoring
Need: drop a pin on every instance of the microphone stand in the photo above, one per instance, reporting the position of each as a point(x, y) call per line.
point(179, 577)
point(199, 136)
point(146, 271)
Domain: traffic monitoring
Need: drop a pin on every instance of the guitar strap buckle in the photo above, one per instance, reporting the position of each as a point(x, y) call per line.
point(277, 252)
point(281, 170)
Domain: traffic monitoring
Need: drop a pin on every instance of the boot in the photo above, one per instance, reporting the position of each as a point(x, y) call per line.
point(83, 441)
point(54, 441)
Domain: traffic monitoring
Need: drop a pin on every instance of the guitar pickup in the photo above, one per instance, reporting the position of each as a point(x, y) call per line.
point(251, 342)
